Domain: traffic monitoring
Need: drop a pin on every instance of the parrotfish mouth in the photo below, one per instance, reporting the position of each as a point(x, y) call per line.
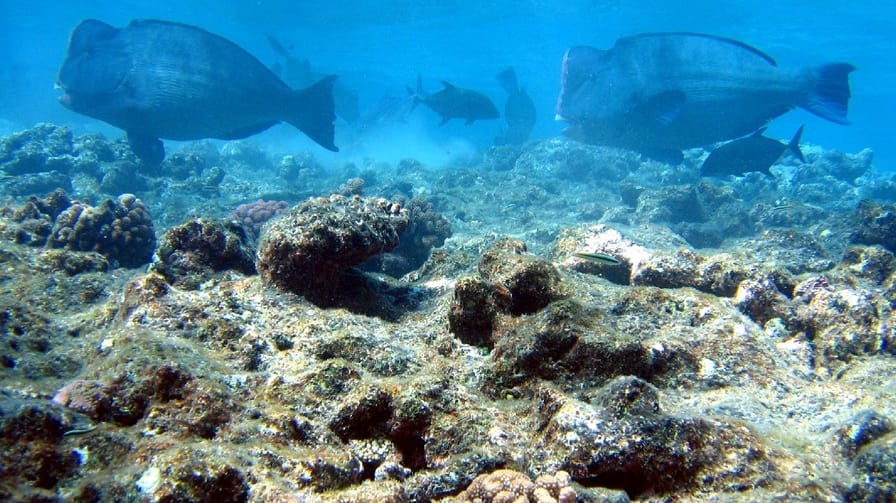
point(65, 99)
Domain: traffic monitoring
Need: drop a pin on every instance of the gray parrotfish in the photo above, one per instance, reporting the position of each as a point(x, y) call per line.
point(159, 79)
point(659, 93)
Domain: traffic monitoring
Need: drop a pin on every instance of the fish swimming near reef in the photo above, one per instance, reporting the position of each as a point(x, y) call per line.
point(454, 102)
point(597, 257)
point(752, 153)
point(519, 111)
point(659, 93)
point(159, 79)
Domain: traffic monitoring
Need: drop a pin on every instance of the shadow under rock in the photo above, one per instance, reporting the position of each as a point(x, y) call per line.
point(375, 295)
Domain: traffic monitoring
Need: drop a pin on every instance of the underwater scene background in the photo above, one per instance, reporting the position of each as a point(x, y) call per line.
point(379, 48)
point(470, 300)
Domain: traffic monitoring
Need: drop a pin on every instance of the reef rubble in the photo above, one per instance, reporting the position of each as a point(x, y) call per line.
point(559, 323)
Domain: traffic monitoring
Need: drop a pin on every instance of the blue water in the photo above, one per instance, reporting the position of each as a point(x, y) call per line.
point(378, 48)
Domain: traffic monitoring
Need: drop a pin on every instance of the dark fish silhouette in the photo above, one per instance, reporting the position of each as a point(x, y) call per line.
point(457, 103)
point(519, 111)
point(158, 79)
point(277, 46)
point(753, 153)
point(660, 93)
point(297, 73)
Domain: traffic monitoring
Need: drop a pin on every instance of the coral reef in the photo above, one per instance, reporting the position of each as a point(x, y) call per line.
point(641, 335)
point(307, 249)
point(253, 215)
point(514, 487)
point(121, 230)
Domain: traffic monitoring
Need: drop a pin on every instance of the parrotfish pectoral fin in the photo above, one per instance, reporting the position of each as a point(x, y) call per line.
point(794, 145)
point(313, 111)
point(829, 92)
point(148, 148)
point(665, 107)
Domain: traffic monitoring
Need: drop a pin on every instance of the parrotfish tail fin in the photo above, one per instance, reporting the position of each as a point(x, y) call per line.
point(507, 79)
point(794, 145)
point(829, 93)
point(313, 112)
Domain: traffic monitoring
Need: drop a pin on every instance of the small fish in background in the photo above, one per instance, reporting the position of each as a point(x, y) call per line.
point(753, 153)
point(659, 93)
point(278, 47)
point(519, 111)
point(456, 103)
point(597, 258)
point(159, 79)
point(297, 72)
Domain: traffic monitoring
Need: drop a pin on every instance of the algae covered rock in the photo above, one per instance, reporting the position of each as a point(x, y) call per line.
point(43, 148)
point(622, 439)
point(524, 283)
point(192, 252)
point(875, 224)
point(511, 282)
point(307, 249)
point(427, 229)
point(473, 314)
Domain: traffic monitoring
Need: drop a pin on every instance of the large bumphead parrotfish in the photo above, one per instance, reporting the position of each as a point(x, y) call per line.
point(159, 79)
point(660, 93)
